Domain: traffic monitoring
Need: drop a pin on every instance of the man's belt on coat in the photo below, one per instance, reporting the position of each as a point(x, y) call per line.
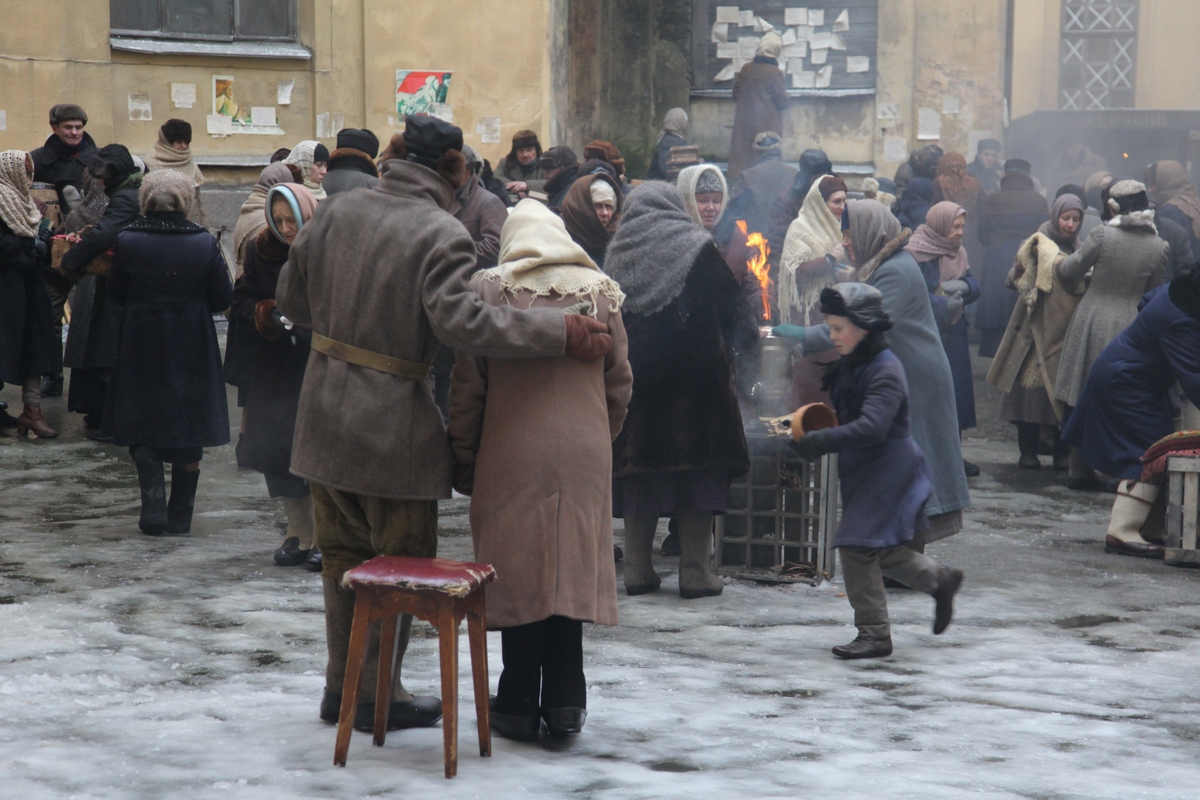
point(369, 359)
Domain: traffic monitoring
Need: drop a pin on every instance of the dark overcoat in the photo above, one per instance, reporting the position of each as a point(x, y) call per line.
point(166, 391)
point(1009, 217)
point(26, 331)
point(761, 95)
point(954, 339)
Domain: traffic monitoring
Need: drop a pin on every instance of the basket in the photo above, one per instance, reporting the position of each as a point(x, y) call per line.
point(100, 265)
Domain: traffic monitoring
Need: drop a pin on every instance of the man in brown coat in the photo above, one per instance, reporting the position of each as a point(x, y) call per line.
point(380, 276)
point(761, 96)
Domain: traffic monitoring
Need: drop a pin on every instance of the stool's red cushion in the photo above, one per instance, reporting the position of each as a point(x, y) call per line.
point(455, 578)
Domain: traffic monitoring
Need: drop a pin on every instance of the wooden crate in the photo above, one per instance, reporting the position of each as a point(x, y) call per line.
point(1183, 512)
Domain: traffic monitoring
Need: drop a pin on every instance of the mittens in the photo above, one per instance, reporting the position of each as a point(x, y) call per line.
point(265, 320)
point(587, 338)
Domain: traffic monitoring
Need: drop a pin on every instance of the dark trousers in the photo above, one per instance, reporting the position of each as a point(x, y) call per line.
point(542, 660)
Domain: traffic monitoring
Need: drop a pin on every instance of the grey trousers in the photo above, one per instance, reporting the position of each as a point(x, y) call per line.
point(863, 569)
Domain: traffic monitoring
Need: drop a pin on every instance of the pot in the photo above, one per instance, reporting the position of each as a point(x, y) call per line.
point(812, 417)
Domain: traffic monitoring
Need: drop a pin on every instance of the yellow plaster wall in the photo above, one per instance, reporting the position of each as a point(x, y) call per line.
point(1168, 61)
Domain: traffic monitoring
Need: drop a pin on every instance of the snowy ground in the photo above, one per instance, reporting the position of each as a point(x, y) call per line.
point(133, 667)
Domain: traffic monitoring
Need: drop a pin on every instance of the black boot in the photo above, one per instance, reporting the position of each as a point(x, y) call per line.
point(154, 497)
point(52, 385)
point(1028, 440)
point(865, 647)
point(183, 500)
point(949, 580)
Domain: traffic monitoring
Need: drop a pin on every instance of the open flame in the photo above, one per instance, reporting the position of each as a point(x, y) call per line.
point(757, 264)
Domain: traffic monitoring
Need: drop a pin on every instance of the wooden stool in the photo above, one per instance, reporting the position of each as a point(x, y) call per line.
point(436, 590)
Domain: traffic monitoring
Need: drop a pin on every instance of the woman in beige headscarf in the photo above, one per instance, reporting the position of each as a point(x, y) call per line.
point(312, 158)
point(173, 151)
point(761, 96)
point(673, 134)
point(532, 442)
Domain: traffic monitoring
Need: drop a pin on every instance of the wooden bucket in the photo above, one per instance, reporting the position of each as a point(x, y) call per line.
point(46, 193)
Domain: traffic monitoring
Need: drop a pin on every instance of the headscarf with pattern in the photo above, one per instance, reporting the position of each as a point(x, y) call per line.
point(17, 208)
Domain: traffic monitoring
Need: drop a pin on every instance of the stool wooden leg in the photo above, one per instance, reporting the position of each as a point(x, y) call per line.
point(448, 650)
point(383, 684)
point(477, 633)
point(357, 654)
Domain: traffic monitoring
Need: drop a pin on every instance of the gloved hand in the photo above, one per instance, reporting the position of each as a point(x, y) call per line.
point(793, 332)
point(811, 446)
point(954, 309)
point(464, 479)
point(956, 287)
point(266, 320)
point(40, 248)
point(587, 338)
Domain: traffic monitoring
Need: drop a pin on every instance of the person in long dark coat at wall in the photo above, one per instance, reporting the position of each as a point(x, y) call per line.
point(1010, 216)
point(280, 358)
point(168, 398)
point(914, 204)
point(26, 330)
point(95, 324)
point(683, 441)
point(761, 96)
point(884, 480)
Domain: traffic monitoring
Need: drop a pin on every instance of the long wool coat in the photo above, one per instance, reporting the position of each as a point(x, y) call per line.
point(954, 339)
point(387, 270)
point(26, 331)
point(1124, 407)
point(1125, 263)
point(169, 277)
point(1009, 217)
point(916, 342)
point(539, 432)
point(761, 96)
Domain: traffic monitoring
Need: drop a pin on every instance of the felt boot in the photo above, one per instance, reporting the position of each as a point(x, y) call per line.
point(183, 499)
point(696, 579)
point(1129, 513)
point(1027, 442)
point(153, 486)
point(640, 577)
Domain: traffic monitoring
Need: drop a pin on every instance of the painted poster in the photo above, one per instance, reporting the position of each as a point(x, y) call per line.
point(240, 117)
point(421, 91)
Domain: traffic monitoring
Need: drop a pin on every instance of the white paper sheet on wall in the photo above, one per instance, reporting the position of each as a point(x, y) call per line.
point(219, 124)
point(183, 95)
point(727, 50)
point(339, 119)
point(797, 50)
point(139, 107)
point(825, 76)
point(819, 56)
point(795, 16)
point(3, 120)
point(762, 26)
point(262, 115)
point(727, 73)
point(857, 64)
point(323, 126)
point(795, 65)
point(747, 47)
point(728, 14)
point(895, 149)
point(950, 105)
point(746, 19)
point(788, 36)
point(283, 92)
point(804, 80)
point(821, 41)
point(804, 33)
point(489, 130)
point(816, 17)
point(838, 43)
point(929, 124)
point(720, 32)
point(842, 23)
point(887, 111)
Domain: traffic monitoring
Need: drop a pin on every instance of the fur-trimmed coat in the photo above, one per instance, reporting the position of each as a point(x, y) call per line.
point(915, 340)
point(684, 413)
point(349, 168)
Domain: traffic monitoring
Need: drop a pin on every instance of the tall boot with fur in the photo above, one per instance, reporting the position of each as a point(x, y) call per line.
point(183, 499)
point(1129, 513)
point(695, 549)
point(640, 577)
point(153, 485)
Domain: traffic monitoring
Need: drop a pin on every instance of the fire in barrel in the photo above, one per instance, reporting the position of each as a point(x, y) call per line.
point(756, 243)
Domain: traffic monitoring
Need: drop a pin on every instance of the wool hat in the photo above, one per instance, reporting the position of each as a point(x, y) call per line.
point(526, 138)
point(709, 181)
point(320, 154)
point(1018, 165)
point(861, 303)
point(1126, 196)
point(557, 157)
point(166, 190)
point(358, 139)
point(280, 154)
point(602, 192)
point(65, 111)
point(988, 144)
point(428, 138)
point(177, 130)
point(112, 164)
point(832, 183)
point(766, 141)
point(605, 151)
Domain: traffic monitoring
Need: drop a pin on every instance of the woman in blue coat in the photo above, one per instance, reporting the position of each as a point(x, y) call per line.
point(884, 479)
point(1124, 408)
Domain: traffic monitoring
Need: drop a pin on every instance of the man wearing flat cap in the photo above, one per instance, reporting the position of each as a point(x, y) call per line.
point(381, 276)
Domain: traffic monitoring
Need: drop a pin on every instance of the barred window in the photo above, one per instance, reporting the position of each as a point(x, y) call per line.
point(205, 20)
point(1098, 54)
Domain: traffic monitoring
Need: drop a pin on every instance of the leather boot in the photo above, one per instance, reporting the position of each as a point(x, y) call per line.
point(152, 483)
point(1027, 442)
point(640, 577)
point(948, 582)
point(31, 419)
point(695, 549)
point(1129, 513)
point(865, 646)
point(183, 500)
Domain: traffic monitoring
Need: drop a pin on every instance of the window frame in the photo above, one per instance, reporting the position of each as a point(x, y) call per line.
point(234, 38)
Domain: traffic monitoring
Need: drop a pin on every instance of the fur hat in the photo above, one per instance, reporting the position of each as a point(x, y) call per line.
point(526, 138)
point(861, 303)
point(112, 164)
point(451, 164)
point(1018, 165)
point(832, 183)
point(280, 155)
point(988, 144)
point(359, 139)
point(65, 111)
point(177, 130)
point(1127, 196)
point(557, 157)
point(605, 151)
point(767, 141)
point(166, 190)
point(428, 138)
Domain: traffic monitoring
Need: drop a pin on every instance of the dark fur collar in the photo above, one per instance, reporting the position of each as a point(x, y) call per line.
point(270, 248)
point(352, 158)
point(890, 249)
point(1185, 294)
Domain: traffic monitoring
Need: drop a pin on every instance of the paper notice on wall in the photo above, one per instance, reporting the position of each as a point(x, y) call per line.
point(283, 92)
point(795, 65)
point(139, 107)
point(727, 73)
point(489, 130)
point(762, 26)
point(746, 19)
point(895, 149)
point(789, 37)
point(727, 14)
point(797, 50)
point(857, 64)
point(720, 32)
point(804, 33)
point(825, 76)
point(842, 23)
point(819, 56)
point(219, 124)
point(804, 80)
point(929, 124)
point(950, 105)
point(795, 16)
point(3, 120)
point(838, 43)
point(323, 131)
point(339, 121)
point(887, 110)
point(262, 115)
point(183, 95)
point(727, 50)
point(821, 41)
point(747, 47)
point(816, 17)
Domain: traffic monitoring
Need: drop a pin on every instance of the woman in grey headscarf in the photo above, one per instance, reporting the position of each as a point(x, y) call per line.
point(673, 134)
point(874, 241)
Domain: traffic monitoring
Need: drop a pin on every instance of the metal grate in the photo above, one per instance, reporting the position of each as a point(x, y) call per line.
point(1098, 53)
point(783, 510)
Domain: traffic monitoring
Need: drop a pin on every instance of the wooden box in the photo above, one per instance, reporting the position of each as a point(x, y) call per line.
point(1183, 512)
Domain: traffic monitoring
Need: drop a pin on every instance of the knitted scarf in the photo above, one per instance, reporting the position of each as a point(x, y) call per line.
point(302, 157)
point(17, 208)
point(164, 156)
point(931, 241)
point(812, 234)
point(652, 253)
